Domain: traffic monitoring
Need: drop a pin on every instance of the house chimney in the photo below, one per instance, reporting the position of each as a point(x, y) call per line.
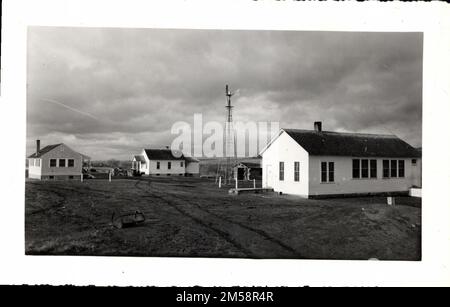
point(38, 146)
point(318, 126)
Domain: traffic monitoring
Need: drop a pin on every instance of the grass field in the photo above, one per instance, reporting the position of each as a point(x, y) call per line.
point(191, 217)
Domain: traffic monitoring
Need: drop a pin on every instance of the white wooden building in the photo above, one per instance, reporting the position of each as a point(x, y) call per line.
point(164, 162)
point(57, 161)
point(314, 163)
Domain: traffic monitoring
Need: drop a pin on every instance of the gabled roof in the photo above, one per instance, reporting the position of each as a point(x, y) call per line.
point(49, 148)
point(44, 150)
point(326, 143)
point(162, 154)
point(139, 158)
point(190, 159)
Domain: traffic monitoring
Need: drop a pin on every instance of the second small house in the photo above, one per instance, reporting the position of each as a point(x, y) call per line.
point(57, 161)
point(165, 162)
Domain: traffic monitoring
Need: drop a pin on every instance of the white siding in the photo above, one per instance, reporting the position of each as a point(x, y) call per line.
point(345, 184)
point(285, 149)
point(149, 168)
point(60, 152)
point(34, 171)
point(416, 172)
point(175, 169)
point(144, 167)
point(193, 168)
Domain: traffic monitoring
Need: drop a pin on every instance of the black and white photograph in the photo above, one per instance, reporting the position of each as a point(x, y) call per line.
point(223, 143)
point(194, 143)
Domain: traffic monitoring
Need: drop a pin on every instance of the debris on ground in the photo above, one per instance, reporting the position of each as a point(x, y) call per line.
point(127, 219)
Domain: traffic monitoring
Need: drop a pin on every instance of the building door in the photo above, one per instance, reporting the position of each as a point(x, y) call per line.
point(269, 176)
point(240, 173)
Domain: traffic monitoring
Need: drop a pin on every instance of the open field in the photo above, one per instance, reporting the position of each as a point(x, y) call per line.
point(190, 217)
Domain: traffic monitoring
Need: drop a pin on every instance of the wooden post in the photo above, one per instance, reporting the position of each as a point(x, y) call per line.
point(81, 178)
point(220, 182)
point(236, 182)
point(254, 183)
point(109, 176)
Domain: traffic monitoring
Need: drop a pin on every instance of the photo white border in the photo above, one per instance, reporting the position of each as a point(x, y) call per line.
point(433, 19)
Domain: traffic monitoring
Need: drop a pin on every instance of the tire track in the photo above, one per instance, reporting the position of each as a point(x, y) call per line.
point(59, 203)
point(63, 193)
point(224, 235)
point(284, 249)
point(258, 231)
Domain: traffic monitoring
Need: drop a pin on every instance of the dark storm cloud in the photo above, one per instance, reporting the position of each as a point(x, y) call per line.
point(117, 90)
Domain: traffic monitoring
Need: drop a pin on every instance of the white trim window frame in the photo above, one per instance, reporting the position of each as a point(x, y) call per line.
point(281, 171)
point(327, 172)
point(296, 171)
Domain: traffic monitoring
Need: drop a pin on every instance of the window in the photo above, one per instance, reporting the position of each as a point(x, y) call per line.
point(323, 171)
point(364, 168)
point(393, 168)
point(373, 168)
point(181, 164)
point(414, 161)
point(169, 165)
point(158, 165)
point(401, 168)
point(296, 171)
point(51, 177)
point(71, 163)
point(281, 175)
point(71, 177)
point(385, 168)
point(355, 168)
point(330, 171)
point(31, 162)
point(52, 162)
point(327, 171)
point(62, 162)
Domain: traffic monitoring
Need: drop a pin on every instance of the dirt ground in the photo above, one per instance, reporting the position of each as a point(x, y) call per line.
point(191, 217)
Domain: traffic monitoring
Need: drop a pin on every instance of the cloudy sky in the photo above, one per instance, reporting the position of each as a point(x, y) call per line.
point(110, 92)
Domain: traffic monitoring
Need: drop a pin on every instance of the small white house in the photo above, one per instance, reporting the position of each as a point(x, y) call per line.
point(164, 162)
point(314, 163)
point(56, 161)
